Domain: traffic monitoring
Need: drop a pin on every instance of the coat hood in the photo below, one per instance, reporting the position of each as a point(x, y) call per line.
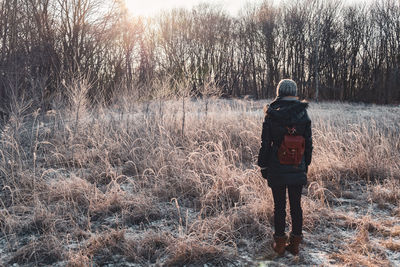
point(288, 110)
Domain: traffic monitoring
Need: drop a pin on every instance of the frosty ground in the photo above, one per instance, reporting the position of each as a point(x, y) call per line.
point(175, 183)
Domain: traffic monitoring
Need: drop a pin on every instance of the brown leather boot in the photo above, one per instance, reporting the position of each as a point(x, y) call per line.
point(294, 242)
point(279, 244)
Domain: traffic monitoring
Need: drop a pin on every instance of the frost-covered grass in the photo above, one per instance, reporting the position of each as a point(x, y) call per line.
point(136, 184)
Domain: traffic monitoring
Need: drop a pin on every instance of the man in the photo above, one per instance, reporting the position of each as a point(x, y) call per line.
point(285, 168)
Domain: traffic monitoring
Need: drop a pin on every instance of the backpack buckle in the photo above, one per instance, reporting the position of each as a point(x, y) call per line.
point(291, 131)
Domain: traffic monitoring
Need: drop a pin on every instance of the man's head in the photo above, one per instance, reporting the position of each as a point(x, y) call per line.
point(286, 87)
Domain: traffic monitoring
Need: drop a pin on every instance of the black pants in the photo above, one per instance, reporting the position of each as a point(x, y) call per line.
point(279, 193)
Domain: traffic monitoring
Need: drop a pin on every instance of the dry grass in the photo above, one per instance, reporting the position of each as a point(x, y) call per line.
point(125, 184)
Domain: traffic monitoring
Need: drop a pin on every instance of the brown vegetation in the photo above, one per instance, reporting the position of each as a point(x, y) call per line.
point(127, 184)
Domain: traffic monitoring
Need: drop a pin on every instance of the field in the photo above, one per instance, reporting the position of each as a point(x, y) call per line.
point(175, 183)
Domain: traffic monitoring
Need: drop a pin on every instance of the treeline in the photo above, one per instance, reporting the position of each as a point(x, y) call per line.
point(333, 50)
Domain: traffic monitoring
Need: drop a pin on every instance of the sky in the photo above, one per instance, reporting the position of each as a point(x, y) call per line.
point(151, 7)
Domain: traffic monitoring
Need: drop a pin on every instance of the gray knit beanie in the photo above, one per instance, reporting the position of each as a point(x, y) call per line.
point(286, 87)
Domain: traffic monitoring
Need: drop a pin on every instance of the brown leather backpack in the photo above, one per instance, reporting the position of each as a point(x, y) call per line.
point(291, 150)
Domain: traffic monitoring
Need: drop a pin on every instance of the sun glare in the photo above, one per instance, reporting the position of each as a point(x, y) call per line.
point(152, 7)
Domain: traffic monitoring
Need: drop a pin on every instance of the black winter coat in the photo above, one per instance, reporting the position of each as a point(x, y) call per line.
point(281, 113)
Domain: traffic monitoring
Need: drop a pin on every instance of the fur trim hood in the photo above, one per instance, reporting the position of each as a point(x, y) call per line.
point(289, 109)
